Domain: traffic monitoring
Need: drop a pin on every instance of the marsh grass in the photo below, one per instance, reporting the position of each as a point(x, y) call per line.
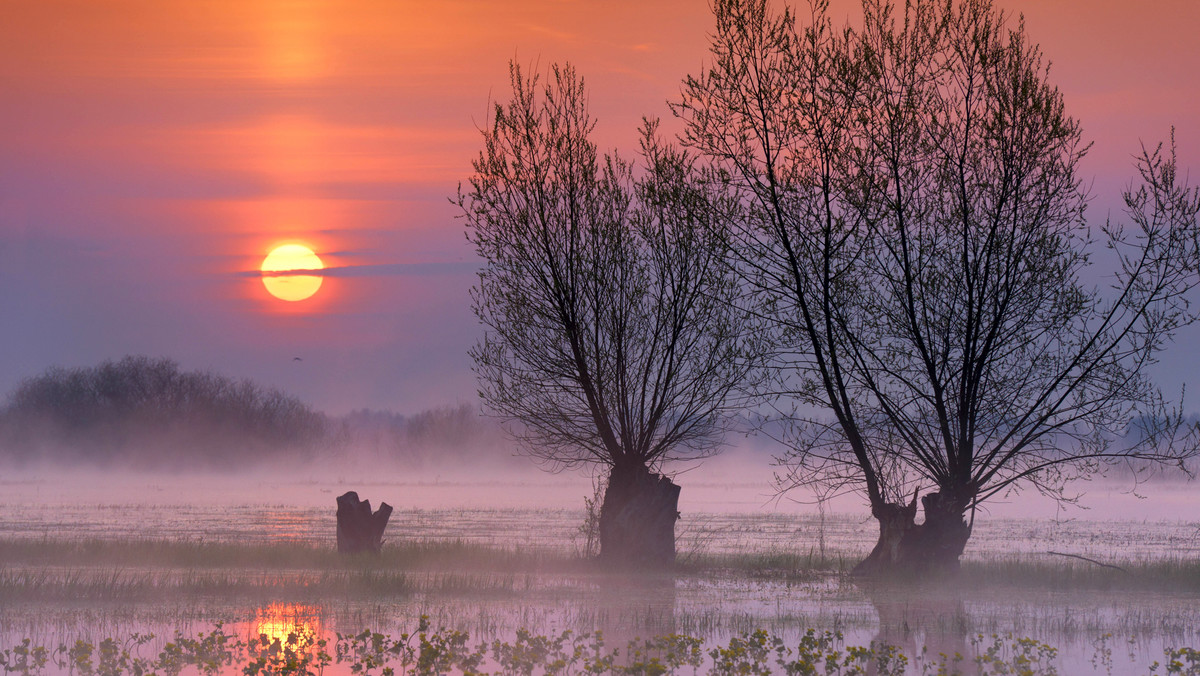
point(100, 584)
point(1166, 574)
point(133, 569)
point(51, 570)
point(138, 585)
point(283, 555)
point(772, 565)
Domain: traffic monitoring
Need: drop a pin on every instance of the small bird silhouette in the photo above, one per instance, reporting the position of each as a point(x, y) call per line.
point(297, 359)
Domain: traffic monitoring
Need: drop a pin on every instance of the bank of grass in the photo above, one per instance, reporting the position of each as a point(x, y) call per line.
point(1167, 574)
point(50, 568)
point(102, 570)
point(419, 555)
point(1043, 571)
point(775, 565)
point(99, 584)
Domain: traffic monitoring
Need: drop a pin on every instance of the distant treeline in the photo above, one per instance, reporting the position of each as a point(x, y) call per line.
point(448, 433)
point(146, 412)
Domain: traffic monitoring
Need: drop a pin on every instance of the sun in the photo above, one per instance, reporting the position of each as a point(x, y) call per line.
point(285, 259)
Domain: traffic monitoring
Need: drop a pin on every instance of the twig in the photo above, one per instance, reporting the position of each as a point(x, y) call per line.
point(1084, 558)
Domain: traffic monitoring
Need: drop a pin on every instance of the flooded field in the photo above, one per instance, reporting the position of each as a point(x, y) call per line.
point(490, 557)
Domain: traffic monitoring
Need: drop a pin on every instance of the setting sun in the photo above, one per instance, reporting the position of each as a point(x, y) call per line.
point(288, 258)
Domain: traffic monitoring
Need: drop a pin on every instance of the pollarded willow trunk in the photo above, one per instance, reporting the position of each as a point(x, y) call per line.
point(929, 548)
point(936, 545)
point(896, 521)
point(637, 518)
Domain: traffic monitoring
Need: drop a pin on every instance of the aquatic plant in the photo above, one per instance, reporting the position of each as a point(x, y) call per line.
point(302, 652)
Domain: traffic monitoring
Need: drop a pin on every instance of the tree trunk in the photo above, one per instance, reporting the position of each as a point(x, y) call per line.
point(358, 530)
point(936, 545)
point(921, 550)
point(896, 521)
point(637, 518)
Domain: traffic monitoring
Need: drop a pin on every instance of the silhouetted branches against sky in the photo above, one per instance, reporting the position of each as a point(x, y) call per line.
point(917, 245)
point(612, 329)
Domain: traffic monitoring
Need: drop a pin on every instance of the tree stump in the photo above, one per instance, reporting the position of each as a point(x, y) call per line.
point(358, 529)
point(637, 518)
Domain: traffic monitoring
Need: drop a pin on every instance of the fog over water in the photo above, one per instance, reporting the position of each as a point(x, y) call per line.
point(734, 481)
point(497, 501)
point(738, 483)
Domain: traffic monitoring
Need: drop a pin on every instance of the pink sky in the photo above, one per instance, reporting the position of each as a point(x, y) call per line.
point(151, 154)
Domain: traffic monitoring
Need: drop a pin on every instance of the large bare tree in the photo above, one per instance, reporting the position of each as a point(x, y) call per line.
point(917, 244)
point(612, 336)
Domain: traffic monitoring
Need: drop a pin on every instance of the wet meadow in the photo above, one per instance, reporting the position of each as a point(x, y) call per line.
point(218, 574)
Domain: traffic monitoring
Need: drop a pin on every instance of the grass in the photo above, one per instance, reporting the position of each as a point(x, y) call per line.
point(101, 585)
point(134, 569)
point(135, 585)
point(204, 555)
point(787, 566)
point(1168, 574)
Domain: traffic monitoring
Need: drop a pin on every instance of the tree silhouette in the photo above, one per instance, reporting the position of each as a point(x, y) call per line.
point(916, 242)
point(612, 337)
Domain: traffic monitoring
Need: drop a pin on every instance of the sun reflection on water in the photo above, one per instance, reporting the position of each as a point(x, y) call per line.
point(277, 621)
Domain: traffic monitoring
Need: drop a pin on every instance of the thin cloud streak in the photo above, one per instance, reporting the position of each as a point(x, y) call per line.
point(374, 270)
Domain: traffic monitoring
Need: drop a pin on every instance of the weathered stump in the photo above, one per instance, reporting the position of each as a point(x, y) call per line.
point(637, 518)
point(358, 529)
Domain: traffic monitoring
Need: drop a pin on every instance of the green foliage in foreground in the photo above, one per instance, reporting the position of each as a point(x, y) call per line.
point(424, 651)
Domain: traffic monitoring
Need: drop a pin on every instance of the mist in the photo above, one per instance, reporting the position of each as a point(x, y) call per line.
point(125, 494)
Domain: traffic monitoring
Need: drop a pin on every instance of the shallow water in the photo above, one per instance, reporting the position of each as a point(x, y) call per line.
point(544, 512)
point(716, 609)
point(533, 509)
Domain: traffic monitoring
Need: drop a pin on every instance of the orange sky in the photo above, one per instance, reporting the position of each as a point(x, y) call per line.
point(151, 153)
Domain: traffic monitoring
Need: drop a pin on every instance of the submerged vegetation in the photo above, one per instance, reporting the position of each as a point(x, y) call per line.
point(299, 650)
point(229, 608)
point(77, 574)
point(48, 569)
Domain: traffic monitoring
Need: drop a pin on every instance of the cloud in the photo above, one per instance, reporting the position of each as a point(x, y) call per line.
point(378, 270)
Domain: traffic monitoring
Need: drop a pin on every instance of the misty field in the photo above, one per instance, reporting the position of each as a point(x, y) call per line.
point(207, 573)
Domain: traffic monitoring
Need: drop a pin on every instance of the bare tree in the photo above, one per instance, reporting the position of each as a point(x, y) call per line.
point(611, 338)
point(918, 247)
